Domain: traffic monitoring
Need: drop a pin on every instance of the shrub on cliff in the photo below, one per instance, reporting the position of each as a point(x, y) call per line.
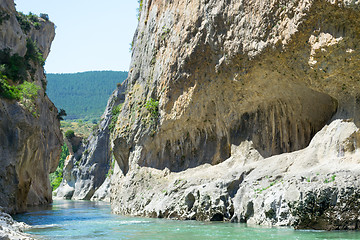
point(27, 21)
point(69, 134)
point(115, 114)
point(13, 66)
point(8, 91)
point(57, 176)
point(14, 70)
point(33, 53)
point(140, 8)
point(153, 107)
point(26, 93)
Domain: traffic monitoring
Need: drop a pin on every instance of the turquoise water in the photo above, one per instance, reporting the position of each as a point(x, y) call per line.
point(90, 220)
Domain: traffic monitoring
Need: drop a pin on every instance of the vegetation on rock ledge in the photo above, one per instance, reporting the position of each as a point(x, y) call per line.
point(14, 73)
point(57, 176)
point(27, 21)
point(115, 114)
point(69, 134)
point(152, 106)
point(140, 8)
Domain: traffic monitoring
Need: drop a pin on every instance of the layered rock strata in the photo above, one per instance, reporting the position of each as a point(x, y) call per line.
point(208, 77)
point(86, 171)
point(30, 137)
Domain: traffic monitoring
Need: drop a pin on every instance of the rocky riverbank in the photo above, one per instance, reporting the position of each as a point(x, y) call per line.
point(10, 229)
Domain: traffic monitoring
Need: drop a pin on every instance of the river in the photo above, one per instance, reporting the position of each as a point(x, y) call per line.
point(93, 220)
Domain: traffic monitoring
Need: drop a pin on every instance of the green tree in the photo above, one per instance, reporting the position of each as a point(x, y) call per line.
point(69, 134)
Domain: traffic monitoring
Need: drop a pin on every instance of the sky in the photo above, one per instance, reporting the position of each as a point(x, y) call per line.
point(90, 34)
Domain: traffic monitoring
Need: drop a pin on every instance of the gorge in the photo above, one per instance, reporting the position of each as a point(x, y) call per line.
point(239, 111)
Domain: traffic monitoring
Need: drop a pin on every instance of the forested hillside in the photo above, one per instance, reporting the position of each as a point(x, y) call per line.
point(83, 95)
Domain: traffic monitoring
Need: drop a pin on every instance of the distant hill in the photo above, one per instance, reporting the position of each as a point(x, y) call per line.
point(83, 95)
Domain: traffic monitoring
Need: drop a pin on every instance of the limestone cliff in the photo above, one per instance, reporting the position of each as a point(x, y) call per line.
point(85, 173)
point(30, 137)
point(210, 79)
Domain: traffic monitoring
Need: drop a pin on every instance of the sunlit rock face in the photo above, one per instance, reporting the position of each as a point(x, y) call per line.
point(226, 73)
point(86, 174)
point(30, 138)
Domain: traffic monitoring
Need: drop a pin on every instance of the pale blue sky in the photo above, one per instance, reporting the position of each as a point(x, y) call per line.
point(90, 34)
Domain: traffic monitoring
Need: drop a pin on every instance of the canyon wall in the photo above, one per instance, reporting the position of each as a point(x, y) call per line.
point(30, 137)
point(224, 72)
point(215, 86)
point(87, 172)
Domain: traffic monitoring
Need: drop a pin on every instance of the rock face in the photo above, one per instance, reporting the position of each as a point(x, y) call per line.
point(209, 78)
point(30, 137)
point(317, 187)
point(10, 229)
point(86, 171)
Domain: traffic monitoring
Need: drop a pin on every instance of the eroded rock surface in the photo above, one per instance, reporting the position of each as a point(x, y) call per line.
point(30, 137)
point(317, 187)
point(227, 75)
point(223, 74)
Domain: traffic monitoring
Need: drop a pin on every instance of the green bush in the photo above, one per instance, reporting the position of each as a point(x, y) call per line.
point(140, 8)
point(26, 21)
point(26, 93)
point(13, 66)
point(25, 24)
point(153, 107)
point(69, 134)
point(33, 53)
point(8, 91)
point(32, 17)
point(57, 176)
point(115, 114)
